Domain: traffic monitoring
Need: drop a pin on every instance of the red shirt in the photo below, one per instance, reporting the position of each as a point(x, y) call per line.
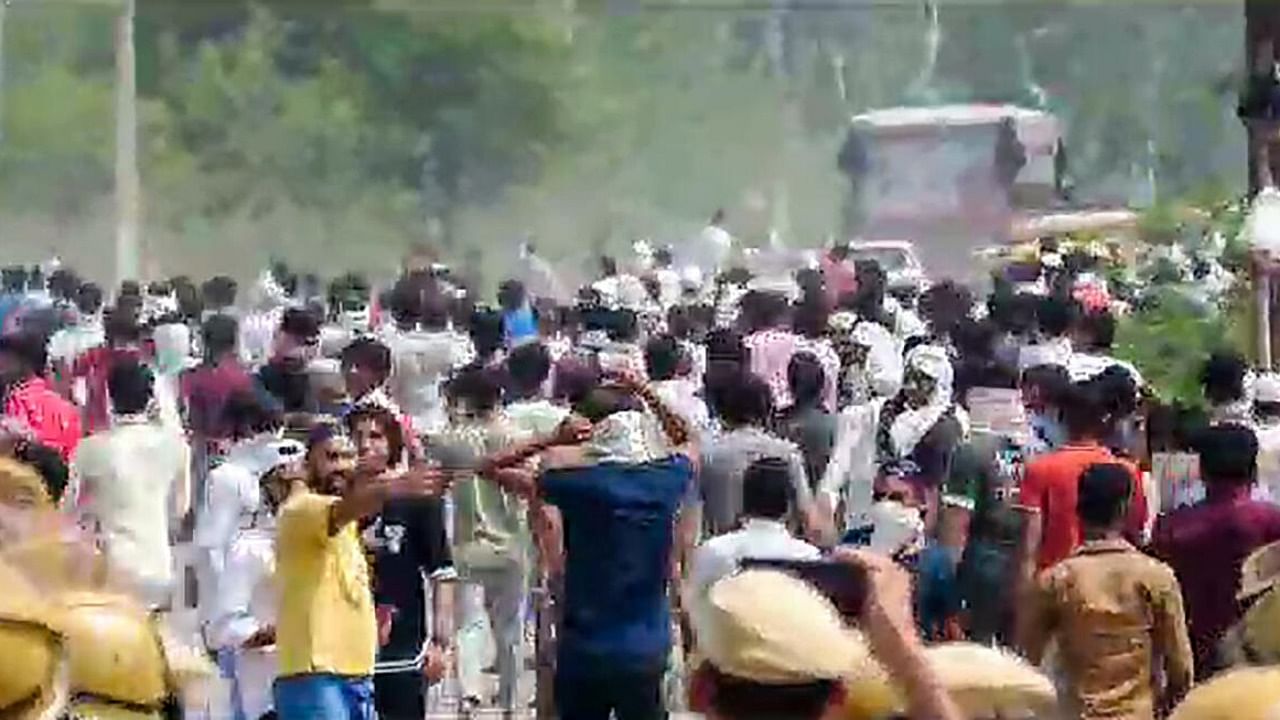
point(54, 421)
point(207, 390)
point(1206, 544)
point(1051, 485)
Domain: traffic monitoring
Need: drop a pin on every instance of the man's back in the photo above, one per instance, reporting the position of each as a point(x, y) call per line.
point(420, 363)
point(726, 459)
point(1049, 486)
point(1206, 544)
point(813, 430)
point(618, 532)
point(126, 479)
point(1113, 611)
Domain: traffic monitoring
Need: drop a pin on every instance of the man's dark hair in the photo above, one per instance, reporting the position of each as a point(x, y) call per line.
point(1223, 377)
point(766, 489)
point(63, 284)
point(247, 413)
point(602, 401)
point(749, 404)
point(29, 349)
point(301, 323)
point(762, 310)
point(368, 354)
point(1056, 315)
point(1117, 392)
point(406, 301)
point(1053, 381)
point(1228, 454)
point(121, 325)
point(809, 318)
point(486, 332)
point(390, 426)
point(1103, 494)
point(575, 379)
point(726, 344)
point(511, 294)
point(528, 366)
point(48, 464)
point(220, 334)
point(1082, 410)
point(741, 699)
point(662, 257)
point(129, 385)
point(13, 278)
point(622, 326)
point(806, 378)
point(219, 291)
point(435, 309)
point(1099, 330)
point(945, 304)
point(477, 387)
point(190, 306)
point(662, 357)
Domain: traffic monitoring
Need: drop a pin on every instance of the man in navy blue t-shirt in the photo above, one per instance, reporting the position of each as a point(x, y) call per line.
point(619, 488)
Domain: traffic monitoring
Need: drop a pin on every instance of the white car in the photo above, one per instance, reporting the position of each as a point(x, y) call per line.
point(898, 259)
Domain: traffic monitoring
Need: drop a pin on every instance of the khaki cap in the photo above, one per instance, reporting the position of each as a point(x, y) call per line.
point(1260, 571)
point(1244, 694)
point(771, 628)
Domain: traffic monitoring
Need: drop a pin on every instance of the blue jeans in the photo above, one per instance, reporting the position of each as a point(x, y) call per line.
point(325, 697)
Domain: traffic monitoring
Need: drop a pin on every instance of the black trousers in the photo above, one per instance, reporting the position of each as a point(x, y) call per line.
point(631, 695)
point(400, 696)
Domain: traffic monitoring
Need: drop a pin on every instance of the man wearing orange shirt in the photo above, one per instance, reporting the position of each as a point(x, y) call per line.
point(1050, 484)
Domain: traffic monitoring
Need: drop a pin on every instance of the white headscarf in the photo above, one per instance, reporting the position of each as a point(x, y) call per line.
point(882, 373)
point(911, 425)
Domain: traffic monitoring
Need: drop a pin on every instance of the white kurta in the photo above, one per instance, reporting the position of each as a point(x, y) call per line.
point(247, 602)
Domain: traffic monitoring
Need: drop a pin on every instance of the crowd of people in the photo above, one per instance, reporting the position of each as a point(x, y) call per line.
point(795, 494)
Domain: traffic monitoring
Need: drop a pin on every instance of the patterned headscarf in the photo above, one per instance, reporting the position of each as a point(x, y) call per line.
point(630, 436)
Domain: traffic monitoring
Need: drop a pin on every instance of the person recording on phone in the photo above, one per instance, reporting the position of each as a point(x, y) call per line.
point(619, 485)
point(327, 632)
point(766, 505)
point(774, 647)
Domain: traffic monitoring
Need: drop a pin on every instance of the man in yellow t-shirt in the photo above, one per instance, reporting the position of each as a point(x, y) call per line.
point(327, 635)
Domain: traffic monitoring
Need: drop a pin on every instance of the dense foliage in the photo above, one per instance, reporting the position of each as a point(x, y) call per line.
point(337, 132)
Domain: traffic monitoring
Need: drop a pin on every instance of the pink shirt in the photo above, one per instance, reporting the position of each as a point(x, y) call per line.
point(771, 352)
point(53, 421)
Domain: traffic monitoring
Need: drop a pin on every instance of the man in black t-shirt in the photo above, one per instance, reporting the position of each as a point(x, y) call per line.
point(407, 546)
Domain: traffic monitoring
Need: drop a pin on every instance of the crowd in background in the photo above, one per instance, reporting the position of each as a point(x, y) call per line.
point(386, 486)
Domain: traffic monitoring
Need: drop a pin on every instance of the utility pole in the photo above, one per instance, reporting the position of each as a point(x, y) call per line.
point(128, 181)
point(1262, 25)
point(4, 10)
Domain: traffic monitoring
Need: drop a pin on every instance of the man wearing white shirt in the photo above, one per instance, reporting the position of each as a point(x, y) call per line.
point(425, 351)
point(763, 535)
point(232, 493)
point(245, 610)
point(127, 478)
point(664, 360)
point(713, 247)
